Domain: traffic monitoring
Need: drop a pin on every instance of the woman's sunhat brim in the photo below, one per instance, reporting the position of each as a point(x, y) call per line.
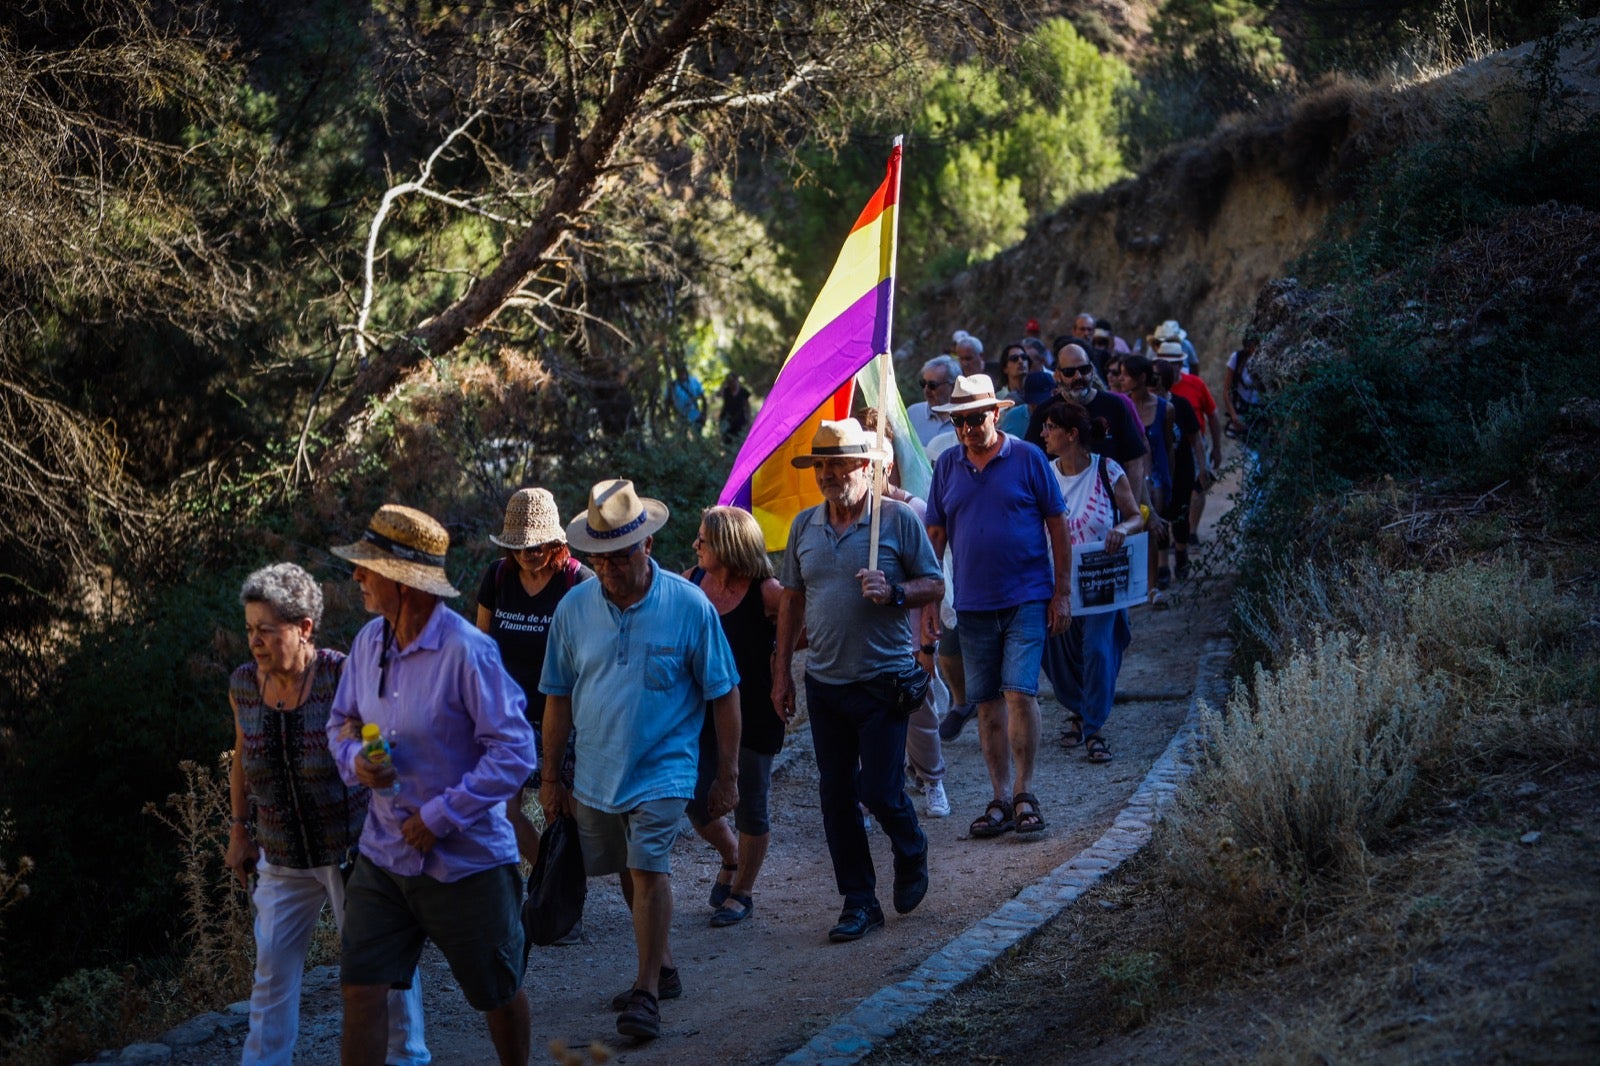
point(512, 544)
point(580, 537)
point(425, 577)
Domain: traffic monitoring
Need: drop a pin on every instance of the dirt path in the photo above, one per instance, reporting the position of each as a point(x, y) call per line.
point(756, 991)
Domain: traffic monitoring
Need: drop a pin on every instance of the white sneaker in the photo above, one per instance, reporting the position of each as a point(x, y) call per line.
point(936, 803)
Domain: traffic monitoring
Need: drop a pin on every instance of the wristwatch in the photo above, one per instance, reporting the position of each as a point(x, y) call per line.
point(897, 595)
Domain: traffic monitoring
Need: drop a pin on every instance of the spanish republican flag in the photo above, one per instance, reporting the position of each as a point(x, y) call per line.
point(847, 326)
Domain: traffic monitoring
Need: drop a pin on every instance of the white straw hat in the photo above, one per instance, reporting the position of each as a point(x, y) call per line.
point(617, 518)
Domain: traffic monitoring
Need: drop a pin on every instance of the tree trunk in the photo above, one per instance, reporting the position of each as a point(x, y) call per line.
point(577, 185)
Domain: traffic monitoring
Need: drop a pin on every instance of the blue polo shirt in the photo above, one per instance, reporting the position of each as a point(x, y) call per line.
point(639, 681)
point(994, 521)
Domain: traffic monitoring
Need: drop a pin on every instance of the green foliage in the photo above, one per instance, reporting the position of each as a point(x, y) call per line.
point(1228, 43)
point(990, 149)
point(131, 700)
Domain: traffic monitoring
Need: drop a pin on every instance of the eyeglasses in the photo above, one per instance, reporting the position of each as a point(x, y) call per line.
point(1083, 371)
point(971, 421)
point(600, 559)
point(926, 384)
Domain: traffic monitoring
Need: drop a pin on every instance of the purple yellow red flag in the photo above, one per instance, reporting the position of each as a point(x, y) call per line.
point(847, 326)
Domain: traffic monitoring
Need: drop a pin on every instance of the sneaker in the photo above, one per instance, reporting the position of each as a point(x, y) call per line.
point(956, 720)
point(641, 1016)
point(935, 802)
point(668, 986)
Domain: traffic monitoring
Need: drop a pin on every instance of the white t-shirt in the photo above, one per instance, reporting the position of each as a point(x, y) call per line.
point(1245, 383)
point(1090, 512)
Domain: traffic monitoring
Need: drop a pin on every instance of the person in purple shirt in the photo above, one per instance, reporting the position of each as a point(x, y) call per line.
point(438, 856)
point(991, 500)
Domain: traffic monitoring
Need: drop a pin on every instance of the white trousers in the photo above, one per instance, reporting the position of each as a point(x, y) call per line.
point(287, 904)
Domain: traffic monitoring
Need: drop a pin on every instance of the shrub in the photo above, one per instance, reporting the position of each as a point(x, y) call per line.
point(1303, 772)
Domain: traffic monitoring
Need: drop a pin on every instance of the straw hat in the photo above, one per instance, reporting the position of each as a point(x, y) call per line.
point(531, 520)
point(1170, 330)
point(844, 439)
point(972, 394)
point(404, 545)
point(617, 518)
point(1171, 351)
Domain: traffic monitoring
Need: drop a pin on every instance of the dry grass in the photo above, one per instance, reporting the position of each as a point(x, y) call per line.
point(1302, 773)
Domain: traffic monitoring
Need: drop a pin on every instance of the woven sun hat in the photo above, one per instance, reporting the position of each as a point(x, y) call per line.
point(1171, 351)
point(1170, 331)
point(844, 439)
point(617, 518)
point(404, 545)
point(972, 394)
point(531, 520)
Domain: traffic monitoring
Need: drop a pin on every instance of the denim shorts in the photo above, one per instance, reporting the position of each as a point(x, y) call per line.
point(476, 923)
point(640, 839)
point(1003, 650)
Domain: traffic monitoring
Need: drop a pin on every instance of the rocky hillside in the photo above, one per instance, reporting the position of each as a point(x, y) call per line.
point(1198, 234)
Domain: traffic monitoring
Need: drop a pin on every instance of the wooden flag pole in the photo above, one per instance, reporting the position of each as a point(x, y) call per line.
point(880, 467)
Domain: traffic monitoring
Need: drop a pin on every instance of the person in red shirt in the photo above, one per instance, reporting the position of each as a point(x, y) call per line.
point(1192, 388)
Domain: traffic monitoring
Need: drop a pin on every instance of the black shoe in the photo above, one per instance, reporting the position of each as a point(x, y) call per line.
point(856, 922)
point(911, 881)
point(955, 720)
point(668, 986)
point(641, 1016)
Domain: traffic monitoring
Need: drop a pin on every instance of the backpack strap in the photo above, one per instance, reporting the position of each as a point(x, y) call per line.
point(1105, 483)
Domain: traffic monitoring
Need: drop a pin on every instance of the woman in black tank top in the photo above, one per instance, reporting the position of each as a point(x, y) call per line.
point(736, 577)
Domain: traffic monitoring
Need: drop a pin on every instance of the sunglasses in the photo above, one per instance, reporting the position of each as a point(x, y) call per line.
point(1076, 371)
point(537, 549)
point(1016, 357)
point(612, 558)
point(926, 384)
point(971, 421)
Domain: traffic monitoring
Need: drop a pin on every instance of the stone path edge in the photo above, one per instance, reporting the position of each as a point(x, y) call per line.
point(975, 950)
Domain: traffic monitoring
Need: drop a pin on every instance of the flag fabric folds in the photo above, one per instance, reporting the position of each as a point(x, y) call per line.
point(847, 326)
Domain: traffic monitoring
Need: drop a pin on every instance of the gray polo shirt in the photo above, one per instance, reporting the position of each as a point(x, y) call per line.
point(852, 638)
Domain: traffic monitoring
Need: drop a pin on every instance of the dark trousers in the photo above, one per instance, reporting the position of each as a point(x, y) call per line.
point(861, 753)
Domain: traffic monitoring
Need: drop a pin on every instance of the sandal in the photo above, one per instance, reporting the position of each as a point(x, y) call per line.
point(997, 818)
point(1072, 736)
point(726, 915)
point(720, 889)
point(1029, 821)
point(1095, 750)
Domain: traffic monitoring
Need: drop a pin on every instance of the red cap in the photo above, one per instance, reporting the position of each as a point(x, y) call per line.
point(1032, 326)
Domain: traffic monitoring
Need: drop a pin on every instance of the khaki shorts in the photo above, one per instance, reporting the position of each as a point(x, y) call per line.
point(640, 839)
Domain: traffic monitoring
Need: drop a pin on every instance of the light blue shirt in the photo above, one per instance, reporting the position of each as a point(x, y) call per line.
point(458, 736)
point(639, 680)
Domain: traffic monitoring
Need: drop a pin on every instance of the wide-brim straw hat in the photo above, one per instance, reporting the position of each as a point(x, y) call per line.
point(404, 545)
point(972, 394)
point(1171, 351)
point(1170, 330)
point(531, 520)
point(844, 439)
point(617, 518)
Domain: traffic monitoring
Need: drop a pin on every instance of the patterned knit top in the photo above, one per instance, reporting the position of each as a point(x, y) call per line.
point(304, 814)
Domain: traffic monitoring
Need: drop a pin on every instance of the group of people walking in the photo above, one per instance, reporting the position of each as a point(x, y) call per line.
point(630, 697)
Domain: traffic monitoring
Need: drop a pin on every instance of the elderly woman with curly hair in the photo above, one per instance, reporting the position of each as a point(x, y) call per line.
point(294, 821)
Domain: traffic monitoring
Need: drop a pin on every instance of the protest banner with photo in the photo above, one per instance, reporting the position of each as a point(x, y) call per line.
point(1107, 581)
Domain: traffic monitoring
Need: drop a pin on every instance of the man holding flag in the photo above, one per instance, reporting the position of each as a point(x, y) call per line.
point(856, 620)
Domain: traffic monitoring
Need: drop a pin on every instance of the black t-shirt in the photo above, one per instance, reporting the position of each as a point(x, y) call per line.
point(1125, 439)
point(520, 623)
